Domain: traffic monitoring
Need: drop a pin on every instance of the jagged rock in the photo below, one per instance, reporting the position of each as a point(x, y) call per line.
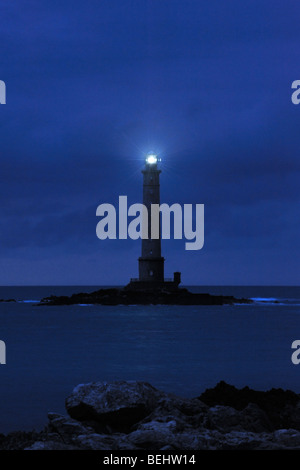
point(118, 405)
point(226, 418)
point(189, 407)
point(222, 417)
point(51, 445)
point(18, 440)
point(66, 427)
point(281, 406)
point(240, 440)
point(254, 419)
point(134, 415)
point(153, 435)
point(164, 417)
point(290, 416)
point(288, 437)
point(95, 441)
point(192, 440)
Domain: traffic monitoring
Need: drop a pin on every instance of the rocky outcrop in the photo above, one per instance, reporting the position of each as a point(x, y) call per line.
point(134, 415)
point(143, 297)
point(116, 405)
point(281, 407)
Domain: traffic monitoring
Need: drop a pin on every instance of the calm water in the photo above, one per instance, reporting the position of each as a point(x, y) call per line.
point(179, 349)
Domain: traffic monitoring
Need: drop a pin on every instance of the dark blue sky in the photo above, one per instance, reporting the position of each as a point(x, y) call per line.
point(92, 86)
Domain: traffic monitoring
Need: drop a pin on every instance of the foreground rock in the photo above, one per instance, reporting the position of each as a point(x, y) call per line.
point(134, 415)
point(281, 407)
point(147, 297)
point(118, 405)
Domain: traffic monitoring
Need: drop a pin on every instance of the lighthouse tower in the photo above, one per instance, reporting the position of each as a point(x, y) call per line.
point(151, 263)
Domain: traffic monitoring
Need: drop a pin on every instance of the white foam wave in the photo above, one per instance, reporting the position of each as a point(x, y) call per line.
point(264, 299)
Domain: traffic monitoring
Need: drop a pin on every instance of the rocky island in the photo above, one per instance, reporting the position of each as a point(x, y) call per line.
point(130, 415)
point(125, 296)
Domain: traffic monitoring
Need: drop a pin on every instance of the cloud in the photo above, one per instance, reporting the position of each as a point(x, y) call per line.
point(91, 87)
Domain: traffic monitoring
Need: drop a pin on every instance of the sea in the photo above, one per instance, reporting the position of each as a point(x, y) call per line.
point(179, 349)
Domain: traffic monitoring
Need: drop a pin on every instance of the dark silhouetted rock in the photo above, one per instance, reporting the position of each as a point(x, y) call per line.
point(280, 406)
point(51, 445)
point(142, 297)
point(66, 427)
point(226, 418)
point(18, 440)
point(118, 405)
point(136, 416)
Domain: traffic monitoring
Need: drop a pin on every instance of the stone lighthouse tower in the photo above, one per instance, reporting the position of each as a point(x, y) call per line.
point(151, 263)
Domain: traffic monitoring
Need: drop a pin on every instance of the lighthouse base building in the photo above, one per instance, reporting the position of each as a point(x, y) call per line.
point(151, 263)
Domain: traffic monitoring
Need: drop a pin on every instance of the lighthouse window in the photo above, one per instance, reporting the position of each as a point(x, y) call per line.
point(151, 252)
point(151, 191)
point(150, 273)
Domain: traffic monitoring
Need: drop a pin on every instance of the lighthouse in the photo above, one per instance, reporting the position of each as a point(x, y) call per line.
point(151, 263)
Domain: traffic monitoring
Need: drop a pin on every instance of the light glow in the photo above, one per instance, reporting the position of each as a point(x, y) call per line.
point(151, 159)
